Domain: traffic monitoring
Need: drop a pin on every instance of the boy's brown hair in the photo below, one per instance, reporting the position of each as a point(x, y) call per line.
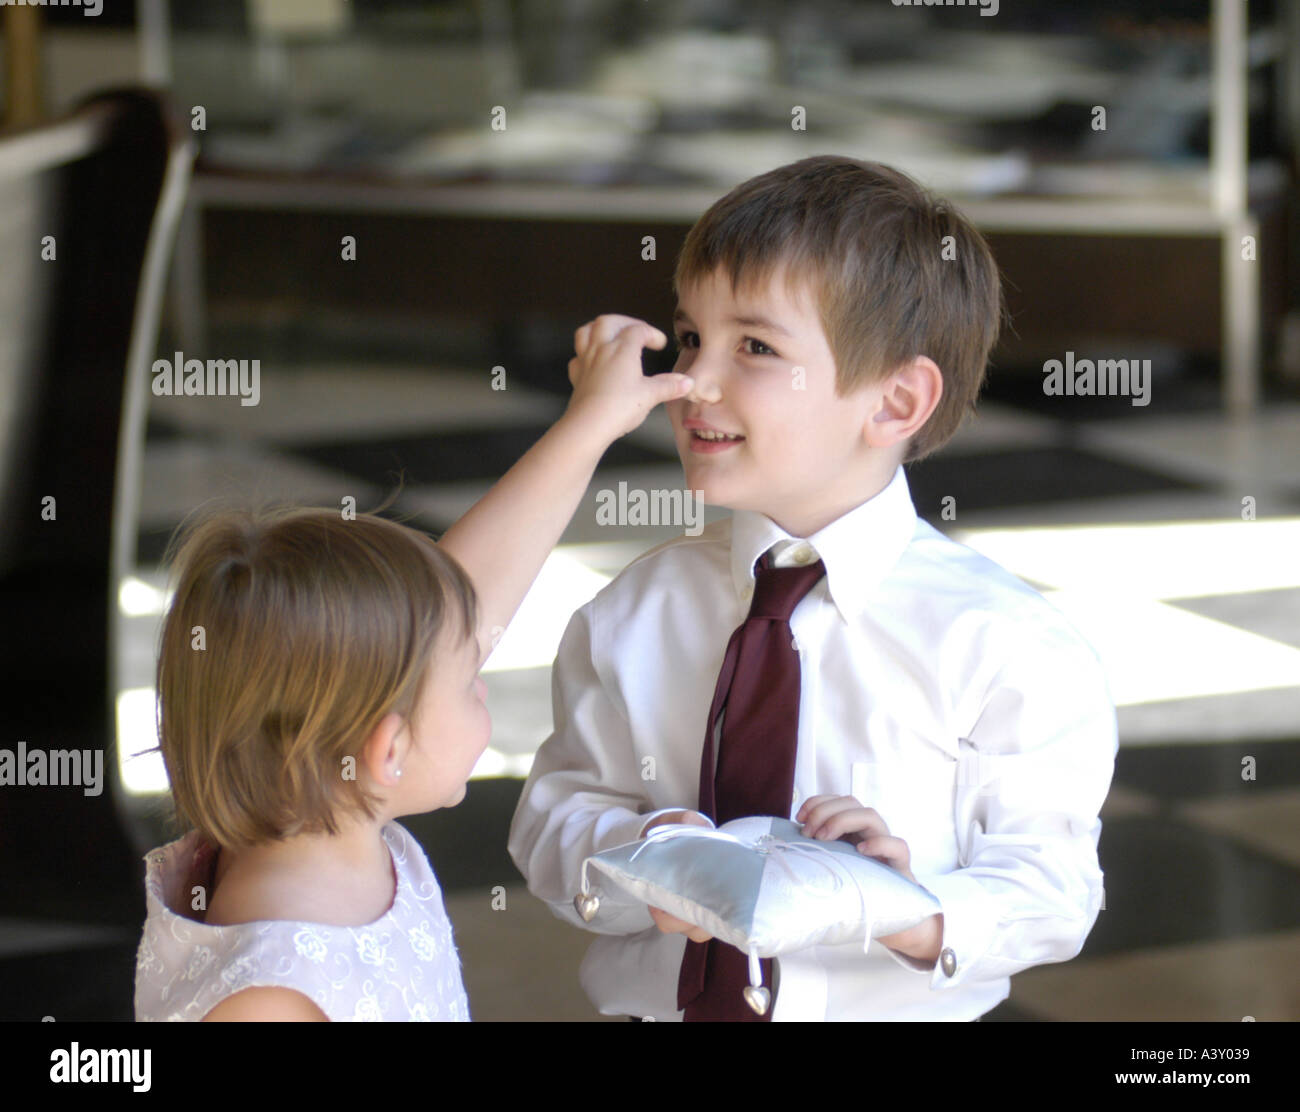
point(313, 629)
point(870, 243)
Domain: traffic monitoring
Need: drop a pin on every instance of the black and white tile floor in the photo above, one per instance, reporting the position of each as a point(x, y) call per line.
point(1129, 519)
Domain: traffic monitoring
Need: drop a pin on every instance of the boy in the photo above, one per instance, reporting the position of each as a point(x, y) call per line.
point(836, 321)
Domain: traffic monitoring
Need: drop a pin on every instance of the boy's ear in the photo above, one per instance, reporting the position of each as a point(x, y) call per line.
point(907, 399)
point(384, 751)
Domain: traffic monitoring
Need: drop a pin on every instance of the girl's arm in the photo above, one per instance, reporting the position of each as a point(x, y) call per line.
point(504, 539)
point(266, 1005)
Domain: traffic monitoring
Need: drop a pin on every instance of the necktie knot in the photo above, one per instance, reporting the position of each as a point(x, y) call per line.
point(777, 591)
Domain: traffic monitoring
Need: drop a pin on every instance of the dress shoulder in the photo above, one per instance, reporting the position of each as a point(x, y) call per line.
point(402, 966)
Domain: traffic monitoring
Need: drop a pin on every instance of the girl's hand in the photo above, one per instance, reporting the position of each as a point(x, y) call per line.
point(504, 538)
point(609, 388)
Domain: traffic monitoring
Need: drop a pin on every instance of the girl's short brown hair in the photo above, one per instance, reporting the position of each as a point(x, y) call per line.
point(292, 632)
point(873, 247)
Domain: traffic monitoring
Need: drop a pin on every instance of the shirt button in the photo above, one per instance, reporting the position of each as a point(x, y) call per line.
point(802, 555)
point(747, 593)
point(794, 799)
point(948, 961)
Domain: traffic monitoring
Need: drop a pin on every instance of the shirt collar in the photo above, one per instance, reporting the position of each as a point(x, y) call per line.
point(858, 548)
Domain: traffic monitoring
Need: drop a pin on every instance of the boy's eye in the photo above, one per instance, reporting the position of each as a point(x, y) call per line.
point(684, 337)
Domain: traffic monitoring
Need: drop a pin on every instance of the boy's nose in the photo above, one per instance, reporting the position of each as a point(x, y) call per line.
point(708, 386)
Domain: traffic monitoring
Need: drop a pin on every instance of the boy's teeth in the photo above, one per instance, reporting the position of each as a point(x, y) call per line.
point(704, 434)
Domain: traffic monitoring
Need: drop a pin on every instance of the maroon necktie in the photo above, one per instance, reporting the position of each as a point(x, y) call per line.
point(758, 689)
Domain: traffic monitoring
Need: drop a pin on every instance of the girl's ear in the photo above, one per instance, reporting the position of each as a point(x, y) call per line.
point(384, 751)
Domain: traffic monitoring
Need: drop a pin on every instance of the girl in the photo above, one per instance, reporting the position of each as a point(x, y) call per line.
point(317, 679)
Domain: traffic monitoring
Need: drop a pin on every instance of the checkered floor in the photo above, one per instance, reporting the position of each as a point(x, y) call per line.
point(1130, 519)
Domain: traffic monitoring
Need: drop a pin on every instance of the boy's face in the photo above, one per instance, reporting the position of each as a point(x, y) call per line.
point(764, 372)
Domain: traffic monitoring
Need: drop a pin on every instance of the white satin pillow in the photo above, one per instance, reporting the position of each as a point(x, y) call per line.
point(757, 884)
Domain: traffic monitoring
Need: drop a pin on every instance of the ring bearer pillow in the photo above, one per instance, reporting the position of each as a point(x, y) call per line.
point(759, 885)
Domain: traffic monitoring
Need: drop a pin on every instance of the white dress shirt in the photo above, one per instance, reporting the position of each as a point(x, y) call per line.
point(935, 687)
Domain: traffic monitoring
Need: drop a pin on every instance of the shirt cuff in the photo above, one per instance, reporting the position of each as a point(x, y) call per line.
point(970, 920)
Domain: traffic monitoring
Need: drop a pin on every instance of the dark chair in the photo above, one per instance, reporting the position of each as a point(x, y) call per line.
point(77, 336)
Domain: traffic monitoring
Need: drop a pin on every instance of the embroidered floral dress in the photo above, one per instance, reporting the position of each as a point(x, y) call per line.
point(403, 966)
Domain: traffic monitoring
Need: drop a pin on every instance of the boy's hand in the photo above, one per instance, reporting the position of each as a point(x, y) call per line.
point(827, 817)
point(841, 816)
point(670, 924)
point(609, 388)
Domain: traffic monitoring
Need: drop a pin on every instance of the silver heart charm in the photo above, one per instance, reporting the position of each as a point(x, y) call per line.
point(586, 906)
point(758, 999)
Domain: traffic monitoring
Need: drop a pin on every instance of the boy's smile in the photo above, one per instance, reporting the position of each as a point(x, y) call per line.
point(763, 429)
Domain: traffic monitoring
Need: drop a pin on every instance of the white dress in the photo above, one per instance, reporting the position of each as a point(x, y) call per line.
point(403, 966)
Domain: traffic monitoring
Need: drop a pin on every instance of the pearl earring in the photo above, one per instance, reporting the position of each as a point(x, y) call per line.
point(398, 772)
